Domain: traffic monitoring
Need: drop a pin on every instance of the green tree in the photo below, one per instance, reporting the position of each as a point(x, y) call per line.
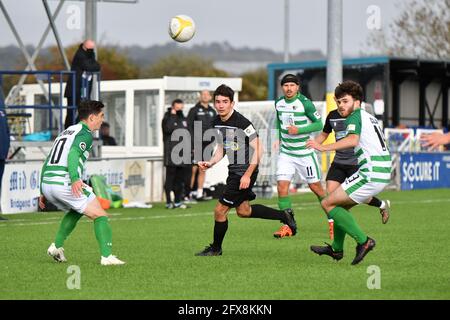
point(422, 30)
point(183, 65)
point(254, 85)
point(114, 65)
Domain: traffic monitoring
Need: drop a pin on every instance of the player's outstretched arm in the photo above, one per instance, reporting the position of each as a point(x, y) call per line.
point(217, 156)
point(81, 144)
point(256, 145)
point(313, 115)
point(350, 141)
point(321, 137)
point(434, 140)
point(309, 128)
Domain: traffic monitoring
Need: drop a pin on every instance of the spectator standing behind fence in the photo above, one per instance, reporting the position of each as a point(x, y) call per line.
point(176, 167)
point(4, 144)
point(83, 61)
point(203, 114)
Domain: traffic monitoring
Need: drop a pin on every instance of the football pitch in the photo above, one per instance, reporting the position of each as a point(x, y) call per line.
point(411, 259)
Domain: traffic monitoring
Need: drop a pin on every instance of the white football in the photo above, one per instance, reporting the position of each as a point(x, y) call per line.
point(181, 28)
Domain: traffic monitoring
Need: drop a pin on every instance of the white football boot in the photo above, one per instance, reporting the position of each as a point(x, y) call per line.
point(56, 253)
point(111, 261)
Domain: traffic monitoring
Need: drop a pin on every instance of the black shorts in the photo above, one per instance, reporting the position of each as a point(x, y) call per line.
point(339, 172)
point(233, 197)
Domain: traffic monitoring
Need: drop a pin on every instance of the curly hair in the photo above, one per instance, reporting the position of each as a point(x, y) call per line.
point(351, 88)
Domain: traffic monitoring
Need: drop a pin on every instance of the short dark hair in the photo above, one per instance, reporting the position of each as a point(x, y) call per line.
point(176, 101)
point(351, 88)
point(290, 78)
point(88, 107)
point(225, 91)
point(104, 125)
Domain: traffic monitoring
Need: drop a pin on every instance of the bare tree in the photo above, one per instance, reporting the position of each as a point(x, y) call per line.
point(422, 30)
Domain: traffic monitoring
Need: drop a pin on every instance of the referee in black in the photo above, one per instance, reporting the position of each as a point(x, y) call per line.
point(345, 162)
point(239, 141)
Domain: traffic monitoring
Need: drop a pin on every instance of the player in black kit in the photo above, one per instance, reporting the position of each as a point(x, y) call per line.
point(238, 139)
point(345, 163)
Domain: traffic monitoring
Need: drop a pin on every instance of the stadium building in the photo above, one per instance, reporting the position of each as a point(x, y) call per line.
point(404, 92)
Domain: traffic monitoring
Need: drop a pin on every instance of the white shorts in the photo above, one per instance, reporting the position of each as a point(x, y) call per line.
point(306, 167)
point(359, 189)
point(62, 197)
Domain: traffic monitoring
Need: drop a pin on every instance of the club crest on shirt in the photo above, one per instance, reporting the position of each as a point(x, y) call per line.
point(83, 146)
point(231, 145)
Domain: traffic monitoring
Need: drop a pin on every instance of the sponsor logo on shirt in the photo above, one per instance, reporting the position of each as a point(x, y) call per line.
point(231, 145)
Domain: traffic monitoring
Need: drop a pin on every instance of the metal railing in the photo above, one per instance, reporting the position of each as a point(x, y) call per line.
point(48, 76)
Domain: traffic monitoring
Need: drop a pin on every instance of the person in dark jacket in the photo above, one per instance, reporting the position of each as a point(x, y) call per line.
point(105, 135)
point(83, 61)
point(4, 142)
point(201, 117)
point(175, 160)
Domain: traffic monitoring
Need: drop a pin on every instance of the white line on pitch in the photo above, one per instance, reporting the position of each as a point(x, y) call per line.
point(304, 204)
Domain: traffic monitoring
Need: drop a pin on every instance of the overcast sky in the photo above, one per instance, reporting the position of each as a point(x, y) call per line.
point(253, 23)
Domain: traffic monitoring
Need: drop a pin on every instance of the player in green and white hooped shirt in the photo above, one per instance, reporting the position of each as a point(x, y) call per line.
point(365, 136)
point(61, 183)
point(296, 119)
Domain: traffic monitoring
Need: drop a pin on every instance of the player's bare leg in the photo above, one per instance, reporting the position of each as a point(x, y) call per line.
point(321, 194)
point(332, 185)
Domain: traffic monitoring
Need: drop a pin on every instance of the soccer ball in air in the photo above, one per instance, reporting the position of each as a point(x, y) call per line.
point(181, 28)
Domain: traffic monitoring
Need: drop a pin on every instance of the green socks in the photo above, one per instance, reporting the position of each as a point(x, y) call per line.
point(284, 203)
point(338, 240)
point(103, 233)
point(67, 225)
point(347, 224)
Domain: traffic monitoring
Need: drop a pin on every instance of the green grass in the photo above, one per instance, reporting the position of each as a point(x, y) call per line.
point(412, 252)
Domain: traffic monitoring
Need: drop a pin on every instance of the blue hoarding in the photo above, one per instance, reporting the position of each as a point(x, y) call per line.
point(424, 170)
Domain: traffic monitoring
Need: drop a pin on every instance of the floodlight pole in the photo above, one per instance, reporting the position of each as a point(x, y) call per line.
point(334, 63)
point(91, 20)
point(90, 32)
point(56, 34)
point(334, 49)
point(286, 31)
